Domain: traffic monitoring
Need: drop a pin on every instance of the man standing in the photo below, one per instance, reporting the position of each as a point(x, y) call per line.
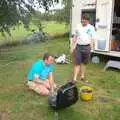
point(82, 43)
point(40, 76)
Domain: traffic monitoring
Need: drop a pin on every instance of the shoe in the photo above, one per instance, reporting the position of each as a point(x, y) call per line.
point(87, 83)
point(73, 81)
point(82, 79)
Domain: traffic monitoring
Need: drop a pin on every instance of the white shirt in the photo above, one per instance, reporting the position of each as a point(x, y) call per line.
point(84, 34)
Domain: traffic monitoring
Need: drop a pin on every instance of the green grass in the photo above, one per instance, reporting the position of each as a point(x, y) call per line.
point(17, 34)
point(54, 27)
point(20, 32)
point(17, 102)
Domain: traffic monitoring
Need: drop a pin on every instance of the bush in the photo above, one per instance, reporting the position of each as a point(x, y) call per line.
point(59, 35)
point(33, 38)
point(10, 44)
point(37, 37)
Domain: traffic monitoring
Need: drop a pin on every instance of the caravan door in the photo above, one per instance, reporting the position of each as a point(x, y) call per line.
point(104, 15)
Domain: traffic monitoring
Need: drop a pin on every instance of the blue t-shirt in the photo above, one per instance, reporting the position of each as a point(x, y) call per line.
point(40, 69)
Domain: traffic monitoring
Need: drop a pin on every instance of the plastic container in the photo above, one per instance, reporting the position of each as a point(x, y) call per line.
point(95, 59)
point(101, 44)
point(86, 93)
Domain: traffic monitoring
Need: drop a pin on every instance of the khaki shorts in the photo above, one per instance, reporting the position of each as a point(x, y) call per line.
point(42, 89)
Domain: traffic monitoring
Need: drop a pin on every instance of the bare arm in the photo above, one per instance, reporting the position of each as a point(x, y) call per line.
point(73, 44)
point(93, 37)
point(37, 80)
point(93, 44)
point(51, 81)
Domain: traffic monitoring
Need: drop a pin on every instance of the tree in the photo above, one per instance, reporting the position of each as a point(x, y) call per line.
point(64, 14)
point(13, 12)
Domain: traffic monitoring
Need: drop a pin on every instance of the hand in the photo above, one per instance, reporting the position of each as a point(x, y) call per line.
point(53, 88)
point(36, 77)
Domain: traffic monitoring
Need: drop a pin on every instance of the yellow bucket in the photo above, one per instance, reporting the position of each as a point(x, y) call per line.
point(86, 93)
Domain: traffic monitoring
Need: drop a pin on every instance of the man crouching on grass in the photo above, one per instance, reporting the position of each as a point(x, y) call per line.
point(40, 76)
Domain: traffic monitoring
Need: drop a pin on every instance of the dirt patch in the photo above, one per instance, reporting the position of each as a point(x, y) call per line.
point(104, 99)
point(4, 116)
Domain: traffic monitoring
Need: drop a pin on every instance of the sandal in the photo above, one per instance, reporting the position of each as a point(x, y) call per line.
point(73, 81)
point(82, 79)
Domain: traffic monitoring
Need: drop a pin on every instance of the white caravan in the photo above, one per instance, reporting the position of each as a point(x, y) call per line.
point(105, 16)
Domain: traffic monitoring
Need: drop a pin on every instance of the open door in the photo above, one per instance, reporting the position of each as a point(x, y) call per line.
point(104, 15)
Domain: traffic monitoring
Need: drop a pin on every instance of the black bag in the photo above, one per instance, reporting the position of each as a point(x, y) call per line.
point(64, 97)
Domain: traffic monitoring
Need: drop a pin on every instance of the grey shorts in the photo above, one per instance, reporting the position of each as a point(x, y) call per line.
point(82, 54)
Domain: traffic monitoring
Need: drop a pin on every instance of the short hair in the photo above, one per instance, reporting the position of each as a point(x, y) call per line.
point(86, 17)
point(47, 55)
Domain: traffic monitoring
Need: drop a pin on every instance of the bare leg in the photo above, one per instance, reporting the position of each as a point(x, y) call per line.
point(76, 72)
point(40, 89)
point(47, 84)
point(82, 70)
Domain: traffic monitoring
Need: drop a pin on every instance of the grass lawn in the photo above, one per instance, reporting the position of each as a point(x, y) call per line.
point(54, 27)
point(17, 102)
point(20, 32)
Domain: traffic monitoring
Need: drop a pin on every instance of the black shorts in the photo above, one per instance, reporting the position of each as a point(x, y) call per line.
point(82, 54)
